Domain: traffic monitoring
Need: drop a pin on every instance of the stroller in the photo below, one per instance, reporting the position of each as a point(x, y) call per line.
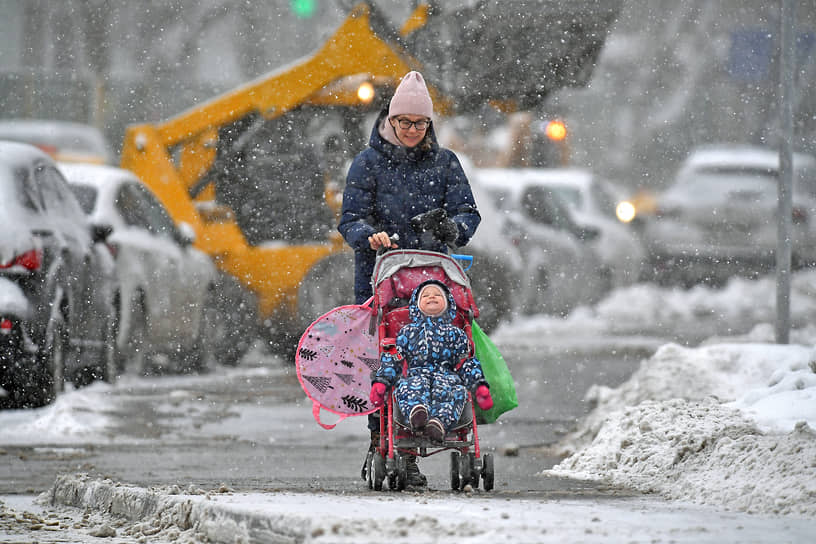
point(396, 274)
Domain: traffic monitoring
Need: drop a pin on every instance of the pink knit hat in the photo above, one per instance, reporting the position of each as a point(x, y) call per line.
point(411, 97)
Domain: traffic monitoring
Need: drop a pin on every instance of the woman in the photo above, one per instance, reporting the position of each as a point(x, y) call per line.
point(401, 174)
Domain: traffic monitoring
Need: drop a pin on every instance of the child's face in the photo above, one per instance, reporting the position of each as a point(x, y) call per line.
point(432, 300)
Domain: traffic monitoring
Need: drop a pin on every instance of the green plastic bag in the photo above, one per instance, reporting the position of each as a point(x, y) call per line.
point(502, 388)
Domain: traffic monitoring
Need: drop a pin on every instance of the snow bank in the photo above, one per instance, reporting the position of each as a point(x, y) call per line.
point(101, 508)
point(729, 425)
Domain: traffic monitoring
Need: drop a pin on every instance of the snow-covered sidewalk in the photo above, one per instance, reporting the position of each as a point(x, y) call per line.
point(163, 515)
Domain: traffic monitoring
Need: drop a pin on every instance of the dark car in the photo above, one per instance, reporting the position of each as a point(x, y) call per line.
point(56, 283)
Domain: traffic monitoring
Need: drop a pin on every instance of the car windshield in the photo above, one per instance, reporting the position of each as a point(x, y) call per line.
point(86, 197)
point(569, 195)
point(26, 189)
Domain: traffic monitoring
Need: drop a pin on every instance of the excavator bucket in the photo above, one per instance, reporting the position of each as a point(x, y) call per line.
point(510, 50)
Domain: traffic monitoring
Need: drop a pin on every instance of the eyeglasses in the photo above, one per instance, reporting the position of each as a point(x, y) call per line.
point(420, 125)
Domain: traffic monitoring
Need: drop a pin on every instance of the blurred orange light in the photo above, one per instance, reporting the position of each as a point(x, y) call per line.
point(556, 130)
point(625, 211)
point(365, 92)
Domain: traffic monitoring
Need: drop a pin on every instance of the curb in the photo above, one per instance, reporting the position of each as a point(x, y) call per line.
point(218, 523)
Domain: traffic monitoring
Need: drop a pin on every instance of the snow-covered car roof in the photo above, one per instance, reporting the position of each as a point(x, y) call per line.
point(745, 156)
point(63, 140)
point(15, 236)
point(510, 182)
point(15, 154)
point(98, 176)
point(101, 178)
point(514, 179)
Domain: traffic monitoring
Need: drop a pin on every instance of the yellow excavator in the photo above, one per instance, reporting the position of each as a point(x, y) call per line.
point(241, 170)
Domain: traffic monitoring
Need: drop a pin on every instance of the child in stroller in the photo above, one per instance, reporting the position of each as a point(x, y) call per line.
point(427, 368)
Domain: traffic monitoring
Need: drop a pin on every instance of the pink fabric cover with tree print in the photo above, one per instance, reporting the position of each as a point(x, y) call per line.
point(335, 358)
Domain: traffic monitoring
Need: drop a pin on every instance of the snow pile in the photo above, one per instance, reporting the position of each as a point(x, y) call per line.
point(647, 308)
point(69, 419)
point(729, 425)
point(740, 300)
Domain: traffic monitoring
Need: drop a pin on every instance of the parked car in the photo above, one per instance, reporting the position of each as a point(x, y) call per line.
point(498, 266)
point(719, 217)
point(165, 286)
point(56, 283)
point(62, 140)
point(593, 202)
point(561, 269)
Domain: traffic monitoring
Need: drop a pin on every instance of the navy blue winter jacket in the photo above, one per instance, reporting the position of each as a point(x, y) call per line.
point(387, 185)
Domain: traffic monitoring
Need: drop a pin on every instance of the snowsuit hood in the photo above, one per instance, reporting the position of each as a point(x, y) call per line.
point(416, 314)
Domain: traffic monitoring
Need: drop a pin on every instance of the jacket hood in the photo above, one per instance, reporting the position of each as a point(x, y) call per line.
point(416, 314)
point(400, 153)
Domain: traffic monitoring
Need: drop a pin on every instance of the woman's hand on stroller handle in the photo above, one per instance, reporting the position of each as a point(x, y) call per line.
point(381, 241)
point(377, 395)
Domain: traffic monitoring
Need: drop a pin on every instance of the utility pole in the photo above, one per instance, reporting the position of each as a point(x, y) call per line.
point(785, 183)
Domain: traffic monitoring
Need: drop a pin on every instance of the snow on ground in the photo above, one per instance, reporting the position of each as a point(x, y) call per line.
point(168, 514)
point(79, 415)
point(730, 423)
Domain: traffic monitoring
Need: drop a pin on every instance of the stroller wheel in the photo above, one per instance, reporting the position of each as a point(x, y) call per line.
point(465, 471)
point(367, 476)
point(487, 471)
point(474, 472)
point(402, 473)
point(378, 472)
point(397, 473)
point(454, 470)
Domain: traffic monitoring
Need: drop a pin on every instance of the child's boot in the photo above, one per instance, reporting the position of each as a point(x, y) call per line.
point(435, 430)
point(418, 417)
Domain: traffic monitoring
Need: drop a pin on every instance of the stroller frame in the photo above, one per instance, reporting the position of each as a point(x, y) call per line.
point(396, 274)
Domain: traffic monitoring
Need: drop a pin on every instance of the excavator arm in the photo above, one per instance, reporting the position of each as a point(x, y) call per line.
point(354, 49)
point(173, 157)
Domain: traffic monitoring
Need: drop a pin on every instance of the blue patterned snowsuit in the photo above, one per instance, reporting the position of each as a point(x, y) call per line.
point(433, 348)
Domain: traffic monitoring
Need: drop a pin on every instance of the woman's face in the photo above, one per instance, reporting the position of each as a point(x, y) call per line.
point(411, 136)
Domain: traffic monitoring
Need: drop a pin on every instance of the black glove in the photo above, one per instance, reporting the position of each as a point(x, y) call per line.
point(447, 231)
point(427, 222)
point(438, 224)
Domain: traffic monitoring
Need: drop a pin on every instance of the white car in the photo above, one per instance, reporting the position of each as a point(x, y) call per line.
point(719, 216)
point(594, 201)
point(498, 267)
point(57, 284)
point(64, 141)
point(561, 269)
point(165, 284)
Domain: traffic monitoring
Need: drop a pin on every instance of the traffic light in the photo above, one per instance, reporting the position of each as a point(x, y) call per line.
point(303, 9)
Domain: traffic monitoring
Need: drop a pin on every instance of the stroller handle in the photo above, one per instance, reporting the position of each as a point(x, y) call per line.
point(465, 258)
point(394, 239)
